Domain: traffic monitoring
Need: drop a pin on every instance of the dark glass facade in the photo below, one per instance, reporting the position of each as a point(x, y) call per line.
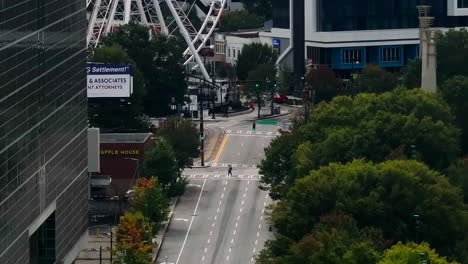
point(351, 15)
point(281, 13)
point(462, 4)
point(43, 162)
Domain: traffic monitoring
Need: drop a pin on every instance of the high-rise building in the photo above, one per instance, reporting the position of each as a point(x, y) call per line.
point(347, 34)
point(43, 122)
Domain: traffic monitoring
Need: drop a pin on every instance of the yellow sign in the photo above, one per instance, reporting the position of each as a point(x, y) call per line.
point(120, 152)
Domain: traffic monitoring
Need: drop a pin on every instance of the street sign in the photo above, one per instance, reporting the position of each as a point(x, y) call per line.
point(267, 122)
point(276, 42)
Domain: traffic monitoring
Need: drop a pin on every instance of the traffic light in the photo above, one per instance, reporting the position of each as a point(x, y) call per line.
point(238, 84)
point(275, 85)
point(257, 85)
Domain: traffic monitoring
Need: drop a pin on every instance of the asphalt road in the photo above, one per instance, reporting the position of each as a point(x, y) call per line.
point(221, 219)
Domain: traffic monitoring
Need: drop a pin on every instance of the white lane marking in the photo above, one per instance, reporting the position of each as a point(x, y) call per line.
point(244, 166)
point(217, 210)
point(217, 176)
point(232, 241)
point(212, 225)
point(252, 259)
point(242, 202)
point(264, 203)
point(222, 195)
point(191, 222)
point(219, 202)
point(258, 234)
point(256, 242)
point(236, 224)
point(255, 249)
point(249, 132)
point(181, 219)
point(269, 133)
point(238, 217)
point(216, 217)
point(203, 259)
point(259, 132)
point(259, 226)
point(211, 232)
point(248, 182)
point(205, 176)
point(245, 195)
point(227, 258)
point(234, 233)
point(229, 131)
point(278, 133)
point(209, 240)
point(240, 211)
point(234, 165)
point(261, 218)
point(206, 249)
point(239, 131)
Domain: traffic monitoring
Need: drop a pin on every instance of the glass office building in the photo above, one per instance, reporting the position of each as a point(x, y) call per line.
point(43, 122)
point(348, 34)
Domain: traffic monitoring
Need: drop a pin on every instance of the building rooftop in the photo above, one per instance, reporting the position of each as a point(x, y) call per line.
point(125, 137)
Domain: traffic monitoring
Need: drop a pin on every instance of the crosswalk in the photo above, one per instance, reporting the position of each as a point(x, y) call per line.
point(225, 165)
point(252, 133)
point(250, 177)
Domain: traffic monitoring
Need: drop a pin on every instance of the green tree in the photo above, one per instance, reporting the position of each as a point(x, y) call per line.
point(455, 92)
point(261, 85)
point(183, 135)
point(368, 126)
point(411, 74)
point(457, 174)
point(336, 239)
point(374, 79)
point(410, 253)
point(384, 196)
point(160, 162)
point(160, 59)
point(150, 200)
point(132, 236)
point(277, 166)
point(241, 19)
point(452, 54)
point(324, 82)
point(105, 113)
point(261, 8)
point(253, 55)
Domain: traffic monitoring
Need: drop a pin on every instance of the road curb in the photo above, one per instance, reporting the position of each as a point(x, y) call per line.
point(273, 116)
point(164, 230)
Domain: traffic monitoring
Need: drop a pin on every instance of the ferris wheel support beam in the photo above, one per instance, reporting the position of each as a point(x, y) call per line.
point(186, 36)
point(160, 17)
point(197, 37)
point(92, 21)
point(127, 9)
point(209, 33)
point(111, 17)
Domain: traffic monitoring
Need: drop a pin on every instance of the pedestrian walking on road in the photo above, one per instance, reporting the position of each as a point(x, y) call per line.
point(230, 171)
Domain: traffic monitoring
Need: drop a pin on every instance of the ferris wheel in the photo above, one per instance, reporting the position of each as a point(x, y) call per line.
point(161, 16)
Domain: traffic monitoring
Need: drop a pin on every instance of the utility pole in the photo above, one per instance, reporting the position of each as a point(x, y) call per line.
point(202, 132)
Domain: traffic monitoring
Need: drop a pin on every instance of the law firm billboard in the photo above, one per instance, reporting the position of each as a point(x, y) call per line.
point(109, 80)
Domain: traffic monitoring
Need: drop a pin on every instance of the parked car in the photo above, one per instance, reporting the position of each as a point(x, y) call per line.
point(280, 98)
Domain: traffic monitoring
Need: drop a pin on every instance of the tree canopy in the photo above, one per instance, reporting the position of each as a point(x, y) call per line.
point(324, 82)
point(160, 59)
point(335, 240)
point(369, 126)
point(455, 92)
point(241, 19)
point(374, 79)
point(150, 200)
point(183, 136)
point(384, 196)
point(160, 162)
point(253, 55)
point(410, 253)
point(452, 54)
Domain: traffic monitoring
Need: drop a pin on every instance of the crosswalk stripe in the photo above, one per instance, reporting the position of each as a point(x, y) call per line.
point(229, 131)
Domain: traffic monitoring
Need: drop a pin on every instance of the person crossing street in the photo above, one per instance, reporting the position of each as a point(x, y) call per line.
point(230, 170)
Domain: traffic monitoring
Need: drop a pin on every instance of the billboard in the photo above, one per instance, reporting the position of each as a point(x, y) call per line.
point(109, 80)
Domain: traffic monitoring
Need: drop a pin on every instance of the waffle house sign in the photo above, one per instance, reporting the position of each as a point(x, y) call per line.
point(120, 152)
